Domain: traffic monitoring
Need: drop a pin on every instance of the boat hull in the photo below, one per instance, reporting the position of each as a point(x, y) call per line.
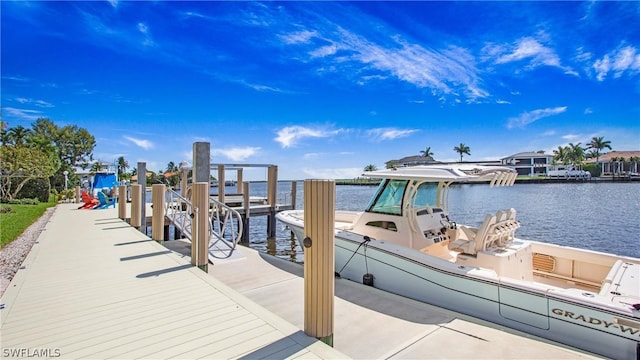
point(480, 293)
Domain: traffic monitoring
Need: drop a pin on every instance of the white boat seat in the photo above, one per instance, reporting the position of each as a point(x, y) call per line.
point(475, 238)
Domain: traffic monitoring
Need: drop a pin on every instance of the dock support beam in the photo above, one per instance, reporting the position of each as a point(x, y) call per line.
point(319, 258)
point(201, 167)
point(157, 220)
point(142, 181)
point(200, 228)
point(77, 194)
point(122, 202)
point(221, 183)
point(272, 187)
point(136, 202)
point(247, 215)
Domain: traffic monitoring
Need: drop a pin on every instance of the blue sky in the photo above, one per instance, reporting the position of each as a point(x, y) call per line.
point(323, 89)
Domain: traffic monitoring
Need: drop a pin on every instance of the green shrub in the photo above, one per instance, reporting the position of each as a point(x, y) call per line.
point(594, 169)
point(35, 188)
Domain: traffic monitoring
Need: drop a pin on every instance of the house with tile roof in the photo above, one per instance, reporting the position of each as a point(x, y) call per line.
point(618, 162)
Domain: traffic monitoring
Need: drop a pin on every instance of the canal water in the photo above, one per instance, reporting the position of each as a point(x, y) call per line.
point(600, 216)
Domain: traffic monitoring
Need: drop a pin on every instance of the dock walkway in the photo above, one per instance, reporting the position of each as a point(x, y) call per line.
point(94, 287)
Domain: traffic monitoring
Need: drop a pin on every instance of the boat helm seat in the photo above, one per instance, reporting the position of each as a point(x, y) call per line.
point(474, 239)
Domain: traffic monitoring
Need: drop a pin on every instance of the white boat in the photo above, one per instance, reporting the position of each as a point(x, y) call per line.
point(404, 242)
point(568, 172)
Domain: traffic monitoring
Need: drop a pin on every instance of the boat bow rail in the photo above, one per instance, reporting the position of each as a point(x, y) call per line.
point(225, 223)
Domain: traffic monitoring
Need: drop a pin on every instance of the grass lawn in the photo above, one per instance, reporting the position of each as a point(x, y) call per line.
point(14, 223)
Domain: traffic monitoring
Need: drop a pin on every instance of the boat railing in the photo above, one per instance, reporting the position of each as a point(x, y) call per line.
point(225, 223)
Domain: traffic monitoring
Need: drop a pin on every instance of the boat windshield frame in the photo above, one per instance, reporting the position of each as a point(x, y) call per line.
point(389, 197)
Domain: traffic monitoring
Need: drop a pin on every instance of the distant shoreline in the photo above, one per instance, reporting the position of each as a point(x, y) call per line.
point(527, 180)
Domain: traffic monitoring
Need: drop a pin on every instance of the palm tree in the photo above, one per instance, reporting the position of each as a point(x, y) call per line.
point(18, 135)
point(561, 154)
point(370, 167)
point(96, 167)
point(427, 152)
point(172, 167)
point(576, 153)
point(123, 165)
point(462, 149)
point(597, 144)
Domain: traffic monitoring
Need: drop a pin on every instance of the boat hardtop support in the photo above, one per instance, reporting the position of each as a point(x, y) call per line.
point(414, 202)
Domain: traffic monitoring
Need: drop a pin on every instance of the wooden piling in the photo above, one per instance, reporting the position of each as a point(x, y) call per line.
point(239, 183)
point(142, 181)
point(272, 188)
point(122, 202)
point(294, 190)
point(319, 258)
point(221, 182)
point(78, 195)
point(200, 225)
point(136, 204)
point(157, 219)
point(246, 205)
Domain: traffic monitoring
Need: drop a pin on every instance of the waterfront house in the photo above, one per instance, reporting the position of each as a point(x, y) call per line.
point(529, 163)
point(618, 162)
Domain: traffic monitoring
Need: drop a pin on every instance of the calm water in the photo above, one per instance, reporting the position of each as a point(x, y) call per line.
point(597, 216)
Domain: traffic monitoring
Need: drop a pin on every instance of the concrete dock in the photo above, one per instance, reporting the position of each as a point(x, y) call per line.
point(94, 287)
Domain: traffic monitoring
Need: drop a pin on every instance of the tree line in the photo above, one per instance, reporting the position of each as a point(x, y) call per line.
point(48, 151)
point(43, 151)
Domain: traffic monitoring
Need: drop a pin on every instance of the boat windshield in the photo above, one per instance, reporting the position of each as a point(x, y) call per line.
point(388, 198)
point(426, 195)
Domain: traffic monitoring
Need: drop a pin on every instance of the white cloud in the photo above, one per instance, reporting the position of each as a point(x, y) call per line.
point(38, 103)
point(381, 134)
point(23, 114)
point(298, 37)
point(529, 117)
point(145, 144)
point(290, 135)
point(571, 137)
point(503, 102)
point(588, 111)
point(445, 71)
point(236, 153)
point(144, 30)
point(619, 61)
point(526, 49)
point(113, 3)
point(338, 173)
point(324, 51)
